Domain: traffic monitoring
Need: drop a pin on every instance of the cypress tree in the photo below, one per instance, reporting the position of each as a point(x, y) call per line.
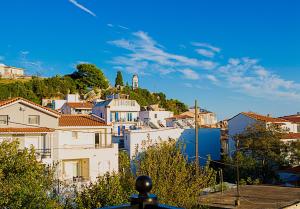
point(119, 79)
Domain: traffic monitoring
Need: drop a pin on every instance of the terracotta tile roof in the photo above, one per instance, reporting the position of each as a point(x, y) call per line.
point(80, 120)
point(26, 130)
point(291, 136)
point(80, 105)
point(9, 101)
point(176, 117)
point(264, 118)
point(292, 118)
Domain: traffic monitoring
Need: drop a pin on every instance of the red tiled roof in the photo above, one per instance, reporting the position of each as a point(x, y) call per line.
point(80, 105)
point(291, 136)
point(180, 117)
point(264, 118)
point(80, 120)
point(9, 101)
point(26, 130)
point(292, 118)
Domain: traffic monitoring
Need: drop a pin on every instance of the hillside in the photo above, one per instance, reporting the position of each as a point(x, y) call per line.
point(86, 78)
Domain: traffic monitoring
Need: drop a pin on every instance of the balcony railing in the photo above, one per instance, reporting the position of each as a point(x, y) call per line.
point(44, 153)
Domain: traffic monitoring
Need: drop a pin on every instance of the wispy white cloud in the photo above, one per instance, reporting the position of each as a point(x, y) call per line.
point(190, 74)
point(144, 55)
point(123, 27)
point(148, 55)
point(212, 78)
point(205, 52)
point(206, 49)
point(206, 45)
point(110, 25)
point(248, 76)
point(80, 6)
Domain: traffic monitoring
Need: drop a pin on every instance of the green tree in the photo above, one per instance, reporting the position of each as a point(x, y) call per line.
point(261, 151)
point(174, 179)
point(24, 182)
point(119, 79)
point(89, 76)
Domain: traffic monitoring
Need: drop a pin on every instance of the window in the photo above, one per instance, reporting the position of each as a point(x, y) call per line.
point(74, 135)
point(3, 119)
point(298, 128)
point(97, 140)
point(34, 119)
point(155, 115)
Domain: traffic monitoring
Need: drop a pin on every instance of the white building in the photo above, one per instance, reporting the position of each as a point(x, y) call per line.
point(80, 144)
point(57, 104)
point(205, 118)
point(181, 121)
point(121, 113)
point(10, 72)
point(77, 108)
point(138, 140)
point(155, 118)
point(240, 122)
point(85, 148)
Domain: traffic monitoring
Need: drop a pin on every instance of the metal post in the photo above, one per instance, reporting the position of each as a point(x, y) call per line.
point(221, 177)
point(237, 201)
point(196, 139)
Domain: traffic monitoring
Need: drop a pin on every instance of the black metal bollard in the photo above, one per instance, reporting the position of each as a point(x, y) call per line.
point(143, 200)
point(143, 185)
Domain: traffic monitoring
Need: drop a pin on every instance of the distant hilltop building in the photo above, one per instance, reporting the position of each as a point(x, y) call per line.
point(10, 72)
point(135, 82)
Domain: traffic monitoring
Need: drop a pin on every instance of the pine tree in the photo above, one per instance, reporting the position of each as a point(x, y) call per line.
point(119, 79)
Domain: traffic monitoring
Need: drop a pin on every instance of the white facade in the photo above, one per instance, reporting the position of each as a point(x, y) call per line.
point(81, 146)
point(79, 154)
point(136, 141)
point(121, 113)
point(77, 108)
point(58, 103)
point(241, 122)
point(10, 72)
point(158, 118)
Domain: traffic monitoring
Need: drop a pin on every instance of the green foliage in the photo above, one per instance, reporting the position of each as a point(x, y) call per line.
point(119, 79)
point(261, 152)
point(24, 182)
point(106, 191)
point(174, 179)
point(38, 88)
point(89, 76)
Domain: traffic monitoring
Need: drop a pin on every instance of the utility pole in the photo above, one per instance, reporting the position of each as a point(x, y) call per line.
point(237, 201)
point(221, 178)
point(196, 139)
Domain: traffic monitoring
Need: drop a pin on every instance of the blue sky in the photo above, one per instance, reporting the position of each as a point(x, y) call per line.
point(231, 55)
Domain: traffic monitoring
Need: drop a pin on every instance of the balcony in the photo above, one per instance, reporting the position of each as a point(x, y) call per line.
point(43, 153)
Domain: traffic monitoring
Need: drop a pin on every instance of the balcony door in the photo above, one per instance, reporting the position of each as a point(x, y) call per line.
point(72, 169)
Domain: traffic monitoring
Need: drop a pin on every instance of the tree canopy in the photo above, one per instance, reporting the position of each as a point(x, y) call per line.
point(24, 182)
point(119, 79)
point(261, 152)
point(174, 179)
point(89, 76)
